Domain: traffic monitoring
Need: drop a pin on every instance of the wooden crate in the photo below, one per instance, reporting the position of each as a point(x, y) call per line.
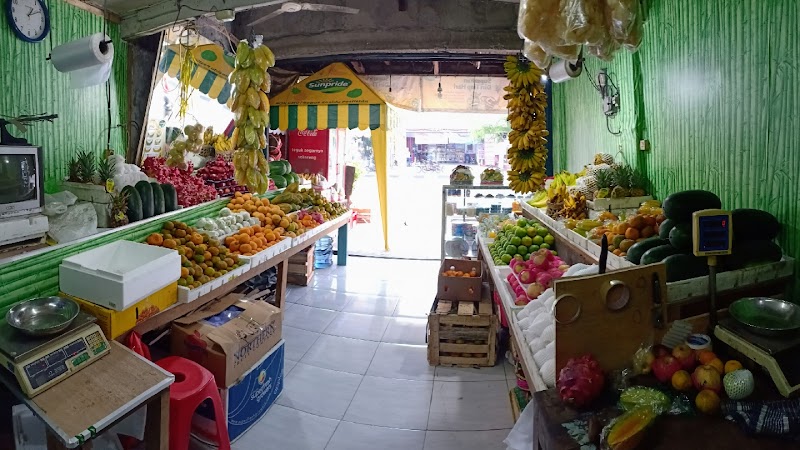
point(462, 340)
point(301, 267)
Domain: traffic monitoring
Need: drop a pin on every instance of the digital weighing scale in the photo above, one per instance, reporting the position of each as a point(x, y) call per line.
point(40, 363)
point(712, 233)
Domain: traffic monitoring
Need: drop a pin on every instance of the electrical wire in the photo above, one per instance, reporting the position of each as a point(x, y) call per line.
point(591, 77)
point(608, 127)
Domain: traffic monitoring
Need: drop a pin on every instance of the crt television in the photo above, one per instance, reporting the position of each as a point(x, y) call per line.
point(21, 180)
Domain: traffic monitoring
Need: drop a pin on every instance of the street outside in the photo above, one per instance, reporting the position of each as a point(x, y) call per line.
point(415, 213)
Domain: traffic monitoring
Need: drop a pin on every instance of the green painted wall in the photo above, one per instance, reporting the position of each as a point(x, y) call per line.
point(32, 86)
point(714, 87)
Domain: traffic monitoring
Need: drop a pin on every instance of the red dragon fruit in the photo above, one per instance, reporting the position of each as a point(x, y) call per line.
point(580, 381)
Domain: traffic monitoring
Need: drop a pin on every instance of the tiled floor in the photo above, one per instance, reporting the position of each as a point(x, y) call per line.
point(357, 375)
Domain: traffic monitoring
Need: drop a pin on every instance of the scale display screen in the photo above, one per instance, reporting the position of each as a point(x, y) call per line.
point(713, 233)
point(54, 364)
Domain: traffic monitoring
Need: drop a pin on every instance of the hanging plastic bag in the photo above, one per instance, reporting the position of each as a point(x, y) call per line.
point(521, 436)
point(135, 343)
point(539, 21)
point(584, 21)
point(624, 21)
point(534, 52)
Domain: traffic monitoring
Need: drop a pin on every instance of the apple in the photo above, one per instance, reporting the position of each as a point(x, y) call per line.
point(521, 300)
point(526, 277)
point(661, 350)
point(706, 377)
point(518, 268)
point(685, 355)
point(647, 363)
point(664, 367)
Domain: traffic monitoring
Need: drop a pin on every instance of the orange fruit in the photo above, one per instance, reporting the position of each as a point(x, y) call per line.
point(184, 272)
point(732, 366)
point(681, 380)
point(705, 356)
point(632, 233)
point(707, 401)
point(716, 363)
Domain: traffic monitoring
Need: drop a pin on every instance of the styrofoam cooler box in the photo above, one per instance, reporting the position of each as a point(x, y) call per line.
point(246, 401)
point(119, 274)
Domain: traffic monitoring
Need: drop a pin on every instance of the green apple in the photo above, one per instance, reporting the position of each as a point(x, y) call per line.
point(522, 249)
point(549, 239)
point(542, 232)
point(527, 256)
point(515, 241)
point(555, 253)
point(511, 249)
point(505, 258)
point(518, 257)
point(522, 223)
point(544, 246)
point(538, 240)
point(533, 248)
point(527, 241)
point(531, 231)
point(520, 232)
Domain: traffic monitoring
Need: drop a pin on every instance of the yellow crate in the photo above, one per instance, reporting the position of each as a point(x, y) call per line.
point(116, 323)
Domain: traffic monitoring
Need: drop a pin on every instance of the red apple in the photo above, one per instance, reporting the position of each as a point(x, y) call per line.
point(706, 377)
point(519, 267)
point(685, 355)
point(664, 367)
point(526, 277)
point(535, 290)
point(521, 300)
point(661, 350)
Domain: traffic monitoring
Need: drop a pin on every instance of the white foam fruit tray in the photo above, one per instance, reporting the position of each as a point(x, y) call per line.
point(268, 253)
point(186, 295)
point(119, 274)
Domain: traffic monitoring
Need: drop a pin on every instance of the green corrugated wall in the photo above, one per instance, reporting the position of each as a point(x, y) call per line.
point(714, 88)
point(38, 276)
point(32, 86)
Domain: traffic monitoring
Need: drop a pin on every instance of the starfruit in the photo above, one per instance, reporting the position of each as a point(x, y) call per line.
point(253, 98)
point(250, 134)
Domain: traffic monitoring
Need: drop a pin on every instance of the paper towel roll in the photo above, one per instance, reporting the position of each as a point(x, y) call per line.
point(564, 70)
point(87, 60)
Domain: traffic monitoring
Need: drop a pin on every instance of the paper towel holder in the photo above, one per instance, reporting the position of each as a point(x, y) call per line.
point(103, 48)
point(565, 70)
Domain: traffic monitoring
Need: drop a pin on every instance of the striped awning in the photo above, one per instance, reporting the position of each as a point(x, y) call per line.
point(212, 83)
point(321, 117)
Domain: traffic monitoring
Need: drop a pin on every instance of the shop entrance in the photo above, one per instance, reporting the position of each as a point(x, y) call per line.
point(423, 149)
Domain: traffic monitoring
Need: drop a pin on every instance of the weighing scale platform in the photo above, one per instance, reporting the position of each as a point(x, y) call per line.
point(779, 356)
point(16, 345)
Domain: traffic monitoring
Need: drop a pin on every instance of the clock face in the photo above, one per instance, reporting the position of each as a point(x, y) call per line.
point(29, 17)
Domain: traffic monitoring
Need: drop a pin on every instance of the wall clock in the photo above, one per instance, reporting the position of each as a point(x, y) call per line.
point(29, 19)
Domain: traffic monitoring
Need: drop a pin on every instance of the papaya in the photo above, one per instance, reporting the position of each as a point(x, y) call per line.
point(657, 254)
point(680, 236)
point(680, 205)
point(636, 251)
point(628, 430)
point(754, 224)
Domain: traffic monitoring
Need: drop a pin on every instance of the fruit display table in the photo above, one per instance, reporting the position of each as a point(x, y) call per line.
point(554, 422)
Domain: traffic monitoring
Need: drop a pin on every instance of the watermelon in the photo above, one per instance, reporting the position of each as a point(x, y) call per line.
point(287, 168)
point(158, 199)
point(279, 180)
point(170, 197)
point(146, 193)
point(134, 204)
point(276, 168)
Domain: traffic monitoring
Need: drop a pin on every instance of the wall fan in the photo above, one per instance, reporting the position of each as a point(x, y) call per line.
point(292, 7)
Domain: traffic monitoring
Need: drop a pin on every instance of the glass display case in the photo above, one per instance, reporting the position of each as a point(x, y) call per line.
point(462, 208)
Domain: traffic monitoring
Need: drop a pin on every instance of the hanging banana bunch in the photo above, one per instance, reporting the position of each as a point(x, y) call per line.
point(251, 114)
point(526, 104)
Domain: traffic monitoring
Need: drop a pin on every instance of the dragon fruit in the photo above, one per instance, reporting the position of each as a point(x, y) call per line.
point(580, 381)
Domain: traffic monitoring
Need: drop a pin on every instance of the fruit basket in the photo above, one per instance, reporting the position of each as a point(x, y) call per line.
point(492, 177)
point(461, 176)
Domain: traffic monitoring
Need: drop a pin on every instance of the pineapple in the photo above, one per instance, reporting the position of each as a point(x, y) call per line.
point(603, 158)
point(105, 170)
point(638, 183)
point(86, 167)
point(604, 179)
point(623, 176)
point(74, 171)
point(119, 210)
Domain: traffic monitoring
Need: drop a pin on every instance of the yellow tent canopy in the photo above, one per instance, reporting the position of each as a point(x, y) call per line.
point(209, 73)
point(335, 97)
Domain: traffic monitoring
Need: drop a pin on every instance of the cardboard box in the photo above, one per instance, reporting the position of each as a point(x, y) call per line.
point(228, 336)
point(246, 401)
point(459, 288)
point(116, 323)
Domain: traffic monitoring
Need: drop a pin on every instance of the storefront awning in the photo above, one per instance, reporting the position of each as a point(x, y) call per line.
point(210, 72)
point(321, 117)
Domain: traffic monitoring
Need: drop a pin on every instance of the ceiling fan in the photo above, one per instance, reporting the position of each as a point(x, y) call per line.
point(292, 7)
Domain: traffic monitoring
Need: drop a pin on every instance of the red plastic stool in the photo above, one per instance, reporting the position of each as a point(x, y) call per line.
point(193, 385)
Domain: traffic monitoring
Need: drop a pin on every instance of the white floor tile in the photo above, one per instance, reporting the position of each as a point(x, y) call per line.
point(409, 307)
point(339, 353)
point(365, 285)
point(298, 342)
point(404, 330)
point(353, 436)
point(294, 293)
point(496, 373)
point(308, 318)
point(391, 403)
point(325, 299)
point(368, 304)
point(308, 432)
point(466, 440)
point(323, 392)
point(465, 406)
point(288, 365)
point(401, 361)
point(358, 326)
